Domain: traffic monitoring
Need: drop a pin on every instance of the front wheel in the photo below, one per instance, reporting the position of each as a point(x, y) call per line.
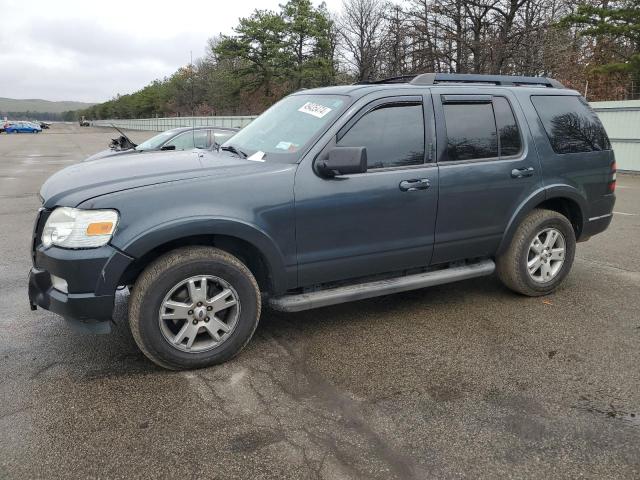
point(193, 308)
point(540, 255)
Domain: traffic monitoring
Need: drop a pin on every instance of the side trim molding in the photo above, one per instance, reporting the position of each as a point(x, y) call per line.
point(592, 219)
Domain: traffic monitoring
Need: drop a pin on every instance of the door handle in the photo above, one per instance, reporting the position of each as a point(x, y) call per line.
point(522, 172)
point(415, 184)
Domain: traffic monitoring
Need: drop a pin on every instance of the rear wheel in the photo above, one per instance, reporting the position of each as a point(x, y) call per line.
point(194, 307)
point(540, 255)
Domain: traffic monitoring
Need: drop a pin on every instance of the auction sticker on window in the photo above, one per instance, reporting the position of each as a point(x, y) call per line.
point(314, 109)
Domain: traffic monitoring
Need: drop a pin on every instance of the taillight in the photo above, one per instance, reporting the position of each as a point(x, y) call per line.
point(612, 182)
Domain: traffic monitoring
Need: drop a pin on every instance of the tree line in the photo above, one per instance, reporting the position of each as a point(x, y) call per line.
point(67, 116)
point(592, 46)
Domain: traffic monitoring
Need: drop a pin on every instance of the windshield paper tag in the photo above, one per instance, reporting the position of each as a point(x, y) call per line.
point(314, 109)
point(284, 145)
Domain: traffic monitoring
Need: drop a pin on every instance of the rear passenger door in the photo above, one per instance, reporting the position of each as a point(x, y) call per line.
point(486, 170)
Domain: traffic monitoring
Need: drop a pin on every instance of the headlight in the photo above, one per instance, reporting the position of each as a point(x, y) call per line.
point(73, 228)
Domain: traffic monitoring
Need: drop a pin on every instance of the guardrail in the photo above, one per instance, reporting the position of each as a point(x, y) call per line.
point(162, 124)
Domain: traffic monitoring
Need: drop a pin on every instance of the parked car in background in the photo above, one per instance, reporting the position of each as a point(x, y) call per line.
point(44, 125)
point(184, 138)
point(23, 127)
point(332, 195)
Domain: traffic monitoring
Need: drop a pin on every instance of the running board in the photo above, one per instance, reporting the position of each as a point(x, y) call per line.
point(360, 291)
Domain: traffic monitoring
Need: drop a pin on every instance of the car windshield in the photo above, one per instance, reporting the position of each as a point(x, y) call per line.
point(155, 142)
point(283, 131)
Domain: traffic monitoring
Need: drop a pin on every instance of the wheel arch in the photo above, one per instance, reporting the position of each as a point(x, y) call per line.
point(563, 199)
point(251, 245)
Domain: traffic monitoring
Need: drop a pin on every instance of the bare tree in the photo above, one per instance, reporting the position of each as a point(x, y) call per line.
point(363, 31)
point(396, 58)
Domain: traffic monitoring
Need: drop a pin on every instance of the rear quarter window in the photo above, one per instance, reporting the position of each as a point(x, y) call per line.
point(571, 125)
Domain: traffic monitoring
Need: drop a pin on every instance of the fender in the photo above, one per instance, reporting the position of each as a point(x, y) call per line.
point(536, 198)
point(200, 225)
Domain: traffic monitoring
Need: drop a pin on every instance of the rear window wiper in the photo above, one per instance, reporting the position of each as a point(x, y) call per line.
point(232, 149)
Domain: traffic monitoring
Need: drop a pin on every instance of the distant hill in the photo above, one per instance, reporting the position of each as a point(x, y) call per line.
point(35, 105)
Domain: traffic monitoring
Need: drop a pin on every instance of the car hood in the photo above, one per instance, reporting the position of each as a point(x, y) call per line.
point(110, 153)
point(80, 182)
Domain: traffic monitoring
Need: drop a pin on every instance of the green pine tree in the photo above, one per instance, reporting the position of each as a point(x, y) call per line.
point(615, 23)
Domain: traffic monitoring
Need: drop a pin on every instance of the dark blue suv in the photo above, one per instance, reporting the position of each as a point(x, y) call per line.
point(332, 195)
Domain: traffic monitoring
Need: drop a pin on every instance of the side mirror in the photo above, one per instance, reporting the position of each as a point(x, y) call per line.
point(168, 147)
point(343, 161)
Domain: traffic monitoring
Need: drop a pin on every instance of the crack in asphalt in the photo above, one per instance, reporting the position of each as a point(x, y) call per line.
point(43, 370)
point(16, 412)
point(606, 265)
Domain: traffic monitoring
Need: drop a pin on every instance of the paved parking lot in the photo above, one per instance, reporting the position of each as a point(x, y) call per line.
point(465, 380)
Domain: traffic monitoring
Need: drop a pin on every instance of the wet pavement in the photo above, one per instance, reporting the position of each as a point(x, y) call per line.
point(459, 381)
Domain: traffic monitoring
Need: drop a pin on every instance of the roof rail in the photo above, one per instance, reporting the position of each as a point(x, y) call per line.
point(400, 79)
point(509, 80)
point(476, 79)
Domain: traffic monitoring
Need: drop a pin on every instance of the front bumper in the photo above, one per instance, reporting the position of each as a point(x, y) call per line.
point(81, 306)
point(92, 277)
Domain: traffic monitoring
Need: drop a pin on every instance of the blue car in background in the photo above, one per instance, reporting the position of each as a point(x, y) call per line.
point(23, 127)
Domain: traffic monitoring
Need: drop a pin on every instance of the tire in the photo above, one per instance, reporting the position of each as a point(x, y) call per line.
point(212, 268)
point(512, 266)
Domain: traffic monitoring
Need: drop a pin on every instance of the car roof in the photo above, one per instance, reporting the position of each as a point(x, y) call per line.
point(418, 83)
point(357, 91)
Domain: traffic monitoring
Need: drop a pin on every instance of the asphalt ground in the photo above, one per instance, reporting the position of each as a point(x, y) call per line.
point(466, 380)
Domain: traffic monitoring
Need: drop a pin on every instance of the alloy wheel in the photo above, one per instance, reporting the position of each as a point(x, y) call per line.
point(199, 313)
point(546, 255)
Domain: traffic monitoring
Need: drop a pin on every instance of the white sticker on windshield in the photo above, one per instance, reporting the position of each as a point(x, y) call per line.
point(314, 109)
point(257, 157)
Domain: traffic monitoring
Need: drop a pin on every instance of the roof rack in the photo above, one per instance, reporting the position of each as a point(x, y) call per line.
point(400, 79)
point(468, 78)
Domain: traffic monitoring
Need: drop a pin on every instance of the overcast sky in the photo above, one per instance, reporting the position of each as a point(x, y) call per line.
point(88, 50)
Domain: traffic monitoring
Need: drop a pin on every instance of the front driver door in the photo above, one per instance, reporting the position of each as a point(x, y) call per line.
point(375, 222)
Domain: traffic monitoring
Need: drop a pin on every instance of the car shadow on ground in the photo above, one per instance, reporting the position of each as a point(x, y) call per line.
point(125, 358)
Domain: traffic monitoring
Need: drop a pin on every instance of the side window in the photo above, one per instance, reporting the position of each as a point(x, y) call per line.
point(393, 135)
point(202, 138)
point(510, 141)
point(184, 141)
point(471, 131)
point(571, 125)
point(222, 136)
point(190, 140)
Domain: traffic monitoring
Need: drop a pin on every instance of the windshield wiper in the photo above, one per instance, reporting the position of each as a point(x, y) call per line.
point(232, 149)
